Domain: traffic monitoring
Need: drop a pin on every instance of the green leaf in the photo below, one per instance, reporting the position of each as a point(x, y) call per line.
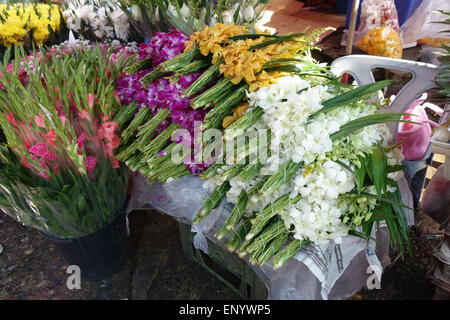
point(351, 96)
point(378, 165)
point(360, 174)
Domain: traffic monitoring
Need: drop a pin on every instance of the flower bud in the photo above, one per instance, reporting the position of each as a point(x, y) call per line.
point(249, 14)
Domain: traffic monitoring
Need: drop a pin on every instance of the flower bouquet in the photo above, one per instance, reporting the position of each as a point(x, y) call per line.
point(97, 20)
point(148, 17)
point(30, 24)
point(58, 171)
point(180, 82)
point(303, 157)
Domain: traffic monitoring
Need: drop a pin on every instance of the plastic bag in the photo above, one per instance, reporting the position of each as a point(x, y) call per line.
point(328, 272)
point(377, 13)
point(436, 198)
point(382, 41)
point(421, 25)
point(377, 31)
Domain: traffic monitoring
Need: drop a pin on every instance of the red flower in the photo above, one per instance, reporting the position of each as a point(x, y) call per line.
point(115, 163)
point(51, 137)
point(10, 118)
point(24, 162)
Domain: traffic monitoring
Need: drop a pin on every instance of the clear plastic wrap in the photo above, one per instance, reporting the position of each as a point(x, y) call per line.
point(377, 33)
point(331, 271)
point(82, 209)
point(382, 41)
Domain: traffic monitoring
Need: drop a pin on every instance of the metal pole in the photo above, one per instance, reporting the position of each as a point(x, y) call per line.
point(351, 28)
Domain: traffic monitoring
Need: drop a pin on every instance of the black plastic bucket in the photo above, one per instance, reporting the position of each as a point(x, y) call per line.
point(99, 254)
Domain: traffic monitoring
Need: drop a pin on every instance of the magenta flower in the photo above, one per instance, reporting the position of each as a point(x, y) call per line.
point(39, 149)
point(90, 163)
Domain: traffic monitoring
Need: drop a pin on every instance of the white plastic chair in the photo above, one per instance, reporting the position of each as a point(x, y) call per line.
point(423, 74)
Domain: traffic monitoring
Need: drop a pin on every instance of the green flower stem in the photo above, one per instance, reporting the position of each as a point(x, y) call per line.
point(141, 117)
point(125, 114)
point(274, 246)
point(138, 66)
point(238, 211)
point(211, 73)
point(250, 171)
point(288, 252)
point(213, 94)
point(212, 202)
point(243, 123)
point(225, 106)
point(156, 145)
point(231, 172)
point(193, 67)
point(271, 232)
point(283, 175)
point(239, 235)
point(261, 219)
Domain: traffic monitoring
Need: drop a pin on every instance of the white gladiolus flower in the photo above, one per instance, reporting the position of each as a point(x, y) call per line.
point(249, 14)
point(321, 182)
point(227, 17)
point(185, 12)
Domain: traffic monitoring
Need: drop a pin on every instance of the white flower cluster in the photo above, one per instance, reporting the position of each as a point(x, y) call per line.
point(246, 13)
point(317, 215)
point(321, 182)
point(102, 18)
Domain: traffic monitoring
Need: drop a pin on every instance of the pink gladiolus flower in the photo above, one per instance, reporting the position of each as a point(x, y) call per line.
point(63, 119)
point(80, 140)
point(44, 175)
point(90, 163)
point(39, 149)
point(10, 118)
point(91, 99)
point(84, 114)
point(43, 164)
point(107, 130)
point(40, 121)
point(50, 155)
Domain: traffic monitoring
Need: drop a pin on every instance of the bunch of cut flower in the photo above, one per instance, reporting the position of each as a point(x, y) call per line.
point(58, 171)
point(235, 61)
point(157, 110)
point(25, 24)
point(322, 169)
point(148, 17)
point(97, 20)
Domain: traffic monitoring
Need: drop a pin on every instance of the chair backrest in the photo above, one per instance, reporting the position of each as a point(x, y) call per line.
point(360, 67)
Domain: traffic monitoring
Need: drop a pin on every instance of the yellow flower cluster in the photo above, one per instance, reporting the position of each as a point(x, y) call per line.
point(240, 63)
point(18, 20)
point(210, 39)
point(238, 112)
point(382, 41)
